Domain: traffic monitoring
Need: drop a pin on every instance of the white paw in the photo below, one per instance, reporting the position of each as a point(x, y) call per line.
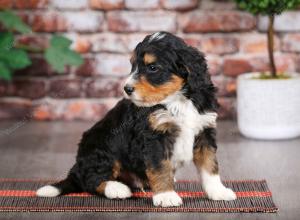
point(116, 190)
point(220, 193)
point(48, 191)
point(167, 199)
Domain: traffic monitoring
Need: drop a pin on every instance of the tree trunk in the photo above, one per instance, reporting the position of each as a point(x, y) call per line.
point(271, 46)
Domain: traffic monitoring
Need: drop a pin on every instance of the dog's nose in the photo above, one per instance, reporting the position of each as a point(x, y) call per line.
point(128, 89)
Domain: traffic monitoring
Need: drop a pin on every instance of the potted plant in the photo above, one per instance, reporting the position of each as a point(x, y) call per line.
point(268, 104)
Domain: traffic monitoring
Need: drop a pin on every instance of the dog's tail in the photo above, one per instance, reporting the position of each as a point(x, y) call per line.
point(65, 186)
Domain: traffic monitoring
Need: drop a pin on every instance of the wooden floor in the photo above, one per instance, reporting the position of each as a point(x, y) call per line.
point(47, 150)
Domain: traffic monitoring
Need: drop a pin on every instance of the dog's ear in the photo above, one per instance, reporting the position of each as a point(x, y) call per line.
point(194, 64)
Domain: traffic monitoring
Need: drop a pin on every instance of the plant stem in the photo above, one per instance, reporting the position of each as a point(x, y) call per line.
point(271, 45)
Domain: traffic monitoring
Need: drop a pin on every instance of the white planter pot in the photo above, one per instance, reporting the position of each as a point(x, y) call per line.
point(268, 109)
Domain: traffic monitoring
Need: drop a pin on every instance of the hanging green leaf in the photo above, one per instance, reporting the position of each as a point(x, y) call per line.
point(59, 54)
point(6, 41)
point(15, 58)
point(13, 22)
point(11, 58)
point(5, 72)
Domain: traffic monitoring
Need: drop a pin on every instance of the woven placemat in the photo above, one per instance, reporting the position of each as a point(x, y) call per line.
point(19, 195)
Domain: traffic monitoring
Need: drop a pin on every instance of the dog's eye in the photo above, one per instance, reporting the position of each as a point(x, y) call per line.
point(152, 68)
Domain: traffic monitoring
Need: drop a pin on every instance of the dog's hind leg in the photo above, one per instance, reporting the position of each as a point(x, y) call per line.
point(113, 189)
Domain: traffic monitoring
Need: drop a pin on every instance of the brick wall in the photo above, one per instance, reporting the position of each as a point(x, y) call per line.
point(105, 31)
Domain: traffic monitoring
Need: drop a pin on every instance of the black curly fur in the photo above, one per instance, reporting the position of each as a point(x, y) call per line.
point(125, 135)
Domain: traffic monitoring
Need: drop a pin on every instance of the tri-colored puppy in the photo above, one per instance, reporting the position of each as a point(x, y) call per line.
point(167, 120)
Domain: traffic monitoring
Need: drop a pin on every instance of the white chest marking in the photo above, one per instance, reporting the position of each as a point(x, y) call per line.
point(191, 123)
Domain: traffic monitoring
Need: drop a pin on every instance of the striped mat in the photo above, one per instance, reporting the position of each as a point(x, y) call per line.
point(19, 195)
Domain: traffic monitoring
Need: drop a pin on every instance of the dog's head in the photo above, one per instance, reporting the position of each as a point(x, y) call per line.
point(163, 66)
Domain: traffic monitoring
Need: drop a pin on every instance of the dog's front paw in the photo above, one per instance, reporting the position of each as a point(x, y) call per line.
point(167, 199)
point(116, 190)
point(220, 193)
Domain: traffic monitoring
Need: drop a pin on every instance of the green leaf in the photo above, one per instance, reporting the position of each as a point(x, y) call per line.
point(6, 41)
point(267, 7)
point(16, 59)
point(60, 42)
point(13, 22)
point(59, 54)
point(5, 72)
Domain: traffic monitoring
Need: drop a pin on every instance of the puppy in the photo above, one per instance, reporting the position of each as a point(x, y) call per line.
point(167, 119)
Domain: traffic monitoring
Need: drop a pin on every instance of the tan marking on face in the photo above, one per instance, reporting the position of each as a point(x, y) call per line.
point(205, 158)
point(161, 120)
point(154, 94)
point(161, 179)
point(149, 58)
point(100, 189)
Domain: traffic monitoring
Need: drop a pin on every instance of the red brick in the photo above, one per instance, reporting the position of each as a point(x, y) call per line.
point(256, 43)
point(217, 5)
point(4, 4)
point(112, 65)
point(42, 113)
point(48, 22)
point(181, 5)
point(12, 108)
point(146, 4)
point(65, 88)
point(87, 68)
point(214, 64)
point(220, 21)
point(4, 87)
point(116, 43)
point(84, 21)
point(33, 41)
point(227, 108)
point(297, 60)
point(72, 109)
point(284, 63)
point(291, 42)
point(192, 40)
point(213, 44)
point(230, 87)
point(126, 21)
point(25, 17)
point(236, 66)
point(70, 4)
point(219, 45)
point(107, 4)
point(104, 87)
point(39, 67)
point(81, 44)
point(108, 42)
point(30, 4)
point(226, 86)
point(32, 89)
